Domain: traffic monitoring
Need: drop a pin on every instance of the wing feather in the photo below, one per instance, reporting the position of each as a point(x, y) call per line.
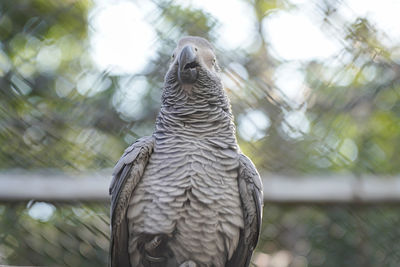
point(251, 195)
point(126, 175)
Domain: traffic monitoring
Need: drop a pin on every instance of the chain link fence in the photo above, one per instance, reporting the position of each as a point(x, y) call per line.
point(293, 235)
point(328, 104)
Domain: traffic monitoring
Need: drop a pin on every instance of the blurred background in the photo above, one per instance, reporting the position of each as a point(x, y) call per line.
point(314, 87)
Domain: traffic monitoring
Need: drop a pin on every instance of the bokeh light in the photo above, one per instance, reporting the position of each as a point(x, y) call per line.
point(315, 92)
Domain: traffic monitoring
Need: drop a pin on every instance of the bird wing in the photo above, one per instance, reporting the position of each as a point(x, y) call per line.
point(126, 175)
point(251, 195)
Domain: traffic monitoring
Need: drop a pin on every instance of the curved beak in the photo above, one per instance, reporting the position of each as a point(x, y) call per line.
point(187, 62)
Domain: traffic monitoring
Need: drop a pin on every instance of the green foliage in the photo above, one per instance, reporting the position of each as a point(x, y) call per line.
point(333, 235)
point(76, 236)
point(58, 110)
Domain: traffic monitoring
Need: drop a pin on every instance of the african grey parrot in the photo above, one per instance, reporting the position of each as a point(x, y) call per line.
point(187, 196)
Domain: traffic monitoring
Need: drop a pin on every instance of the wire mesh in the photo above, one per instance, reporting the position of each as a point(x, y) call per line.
point(328, 113)
point(292, 235)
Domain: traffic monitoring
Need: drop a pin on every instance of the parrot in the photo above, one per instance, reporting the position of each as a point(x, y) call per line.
point(186, 196)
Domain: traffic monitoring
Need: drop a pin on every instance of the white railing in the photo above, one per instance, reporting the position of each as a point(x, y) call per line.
point(93, 186)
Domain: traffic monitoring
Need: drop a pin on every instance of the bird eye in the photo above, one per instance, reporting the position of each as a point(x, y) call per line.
point(214, 61)
point(173, 56)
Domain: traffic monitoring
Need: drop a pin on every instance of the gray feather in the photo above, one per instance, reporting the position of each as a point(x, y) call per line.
point(127, 173)
point(251, 195)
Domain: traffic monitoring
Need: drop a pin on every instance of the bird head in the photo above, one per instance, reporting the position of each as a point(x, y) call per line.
point(193, 57)
point(193, 78)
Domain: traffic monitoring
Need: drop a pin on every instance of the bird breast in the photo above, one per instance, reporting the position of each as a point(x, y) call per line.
point(190, 188)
